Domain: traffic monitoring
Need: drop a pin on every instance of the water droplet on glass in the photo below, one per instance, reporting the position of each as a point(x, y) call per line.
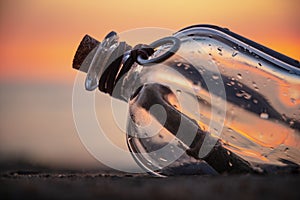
point(293, 100)
point(239, 76)
point(220, 51)
point(264, 115)
point(234, 53)
point(255, 86)
point(186, 66)
point(215, 77)
point(239, 94)
point(286, 150)
point(178, 92)
point(243, 94)
point(162, 159)
point(197, 87)
point(247, 96)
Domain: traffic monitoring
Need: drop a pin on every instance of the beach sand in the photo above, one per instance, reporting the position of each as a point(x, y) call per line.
point(105, 184)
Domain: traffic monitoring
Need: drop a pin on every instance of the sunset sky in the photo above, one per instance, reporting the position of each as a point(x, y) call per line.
point(38, 39)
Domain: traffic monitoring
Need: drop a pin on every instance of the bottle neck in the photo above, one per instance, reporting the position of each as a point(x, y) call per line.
point(107, 62)
point(102, 61)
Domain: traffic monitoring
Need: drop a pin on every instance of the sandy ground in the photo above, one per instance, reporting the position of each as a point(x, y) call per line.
point(115, 185)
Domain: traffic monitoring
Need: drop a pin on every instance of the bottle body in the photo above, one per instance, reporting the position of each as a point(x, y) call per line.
point(216, 103)
point(241, 101)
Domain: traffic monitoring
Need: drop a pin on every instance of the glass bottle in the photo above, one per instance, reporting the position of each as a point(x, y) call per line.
point(202, 101)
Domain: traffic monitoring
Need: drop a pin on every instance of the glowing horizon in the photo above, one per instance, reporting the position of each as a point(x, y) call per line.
point(39, 38)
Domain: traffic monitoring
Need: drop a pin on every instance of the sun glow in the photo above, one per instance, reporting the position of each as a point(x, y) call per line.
point(39, 38)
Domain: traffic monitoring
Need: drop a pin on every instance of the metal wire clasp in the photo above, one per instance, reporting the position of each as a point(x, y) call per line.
point(175, 42)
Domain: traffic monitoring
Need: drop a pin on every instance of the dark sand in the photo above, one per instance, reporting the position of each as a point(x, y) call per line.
point(28, 184)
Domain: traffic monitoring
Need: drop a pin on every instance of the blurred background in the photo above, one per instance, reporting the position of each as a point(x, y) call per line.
point(39, 39)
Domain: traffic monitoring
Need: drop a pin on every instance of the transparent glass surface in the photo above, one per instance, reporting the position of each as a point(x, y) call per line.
point(257, 118)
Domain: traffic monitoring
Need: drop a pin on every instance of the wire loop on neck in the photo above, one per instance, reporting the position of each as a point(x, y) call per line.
point(139, 54)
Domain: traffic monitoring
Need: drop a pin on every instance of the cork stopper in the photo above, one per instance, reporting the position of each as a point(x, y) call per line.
point(86, 45)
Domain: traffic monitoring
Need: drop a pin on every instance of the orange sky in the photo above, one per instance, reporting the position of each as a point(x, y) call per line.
point(39, 38)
